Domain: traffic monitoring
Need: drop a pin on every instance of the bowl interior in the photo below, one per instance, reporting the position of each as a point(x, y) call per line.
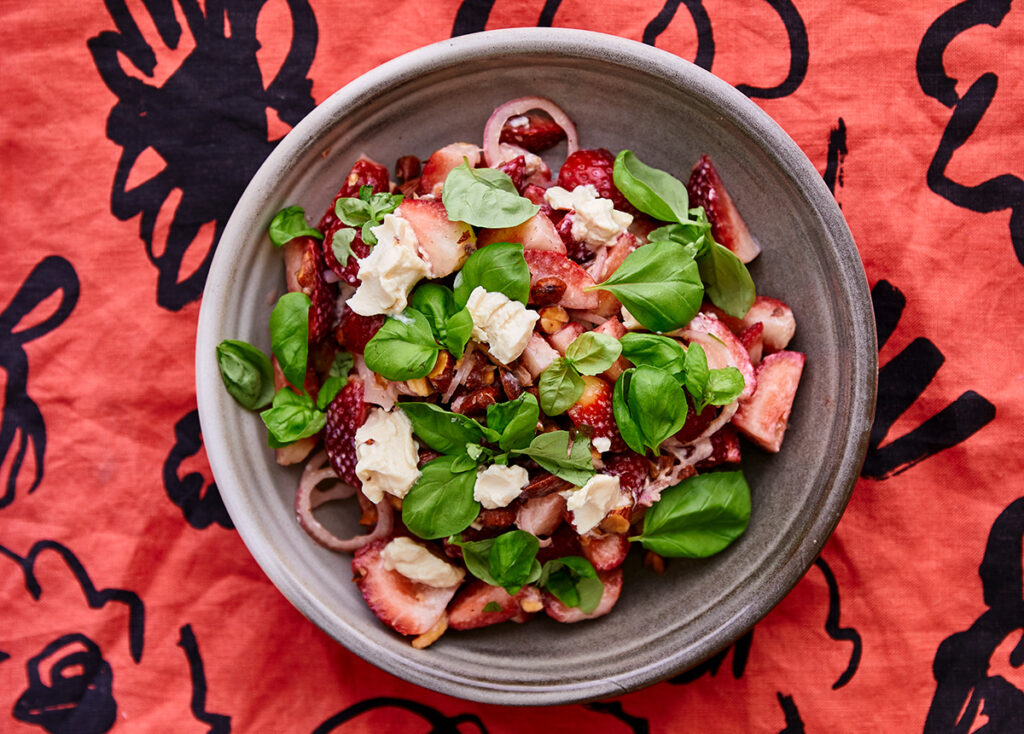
point(669, 112)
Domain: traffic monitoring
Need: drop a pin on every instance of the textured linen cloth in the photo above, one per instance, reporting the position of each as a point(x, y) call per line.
point(128, 131)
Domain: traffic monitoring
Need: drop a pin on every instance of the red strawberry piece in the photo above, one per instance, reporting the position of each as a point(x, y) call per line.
point(776, 319)
point(344, 416)
point(407, 168)
point(350, 271)
point(612, 581)
point(444, 244)
point(467, 610)
point(515, 169)
point(727, 226)
point(696, 423)
point(564, 542)
point(536, 233)
point(535, 194)
point(444, 161)
point(764, 416)
point(544, 264)
point(365, 172)
point(631, 468)
point(541, 515)
point(752, 338)
point(725, 449)
point(355, 330)
point(310, 280)
point(565, 336)
point(722, 348)
point(594, 409)
point(593, 166)
point(574, 248)
point(531, 131)
point(408, 607)
point(614, 328)
point(605, 553)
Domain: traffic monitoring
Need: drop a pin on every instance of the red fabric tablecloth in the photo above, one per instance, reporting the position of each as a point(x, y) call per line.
point(129, 130)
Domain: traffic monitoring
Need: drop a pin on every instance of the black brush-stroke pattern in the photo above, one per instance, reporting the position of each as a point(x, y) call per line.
point(201, 509)
point(471, 17)
point(740, 654)
point(636, 724)
point(439, 723)
point(799, 54)
point(794, 724)
point(218, 723)
point(701, 21)
point(832, 628)
point(837, 151)
point(22, 421)
point(547, 14)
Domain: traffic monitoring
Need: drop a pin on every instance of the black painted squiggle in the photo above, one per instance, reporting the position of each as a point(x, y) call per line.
point(440, 723)
point(636, 724)
point(547, 15)
point(794, 724)
point(96, 598)
point(218, 723)
point(740, 654)
point(837, 151)
point(701, 20)
point(799, 54)
point(201, 509)
point(471, 17)
point(837, 633)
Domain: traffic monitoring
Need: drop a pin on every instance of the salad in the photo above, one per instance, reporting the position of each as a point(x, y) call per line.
point(519, 376)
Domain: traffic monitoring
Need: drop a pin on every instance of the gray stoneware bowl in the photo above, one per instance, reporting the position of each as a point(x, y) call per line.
point(621, 94)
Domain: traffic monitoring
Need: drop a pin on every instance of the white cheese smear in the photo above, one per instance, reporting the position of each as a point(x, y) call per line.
point(498, 485)
point(390, 271)
point(505, 325)
point(386, 455)
point(595, 221)
point(593, 501)
point(418, 564)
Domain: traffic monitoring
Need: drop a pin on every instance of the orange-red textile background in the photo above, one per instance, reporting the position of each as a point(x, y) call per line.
point(128, 130)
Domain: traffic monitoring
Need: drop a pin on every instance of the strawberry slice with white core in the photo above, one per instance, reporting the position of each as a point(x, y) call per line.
point(763, 417)
point(617, 254)
point(541, 515)
point(538, 355)
point(614, 328)
point(753, 339)
point(443, 162)
point(408, 607)
point(605, 553)
point(544, 264)
point(722, 348)
point(345, 414)
point(594, 409)
point(469, 609)
point(612, 581)
point(536, 233)
point(727, 226)
point(565, 336)
point(444, 244)
point(776, 318)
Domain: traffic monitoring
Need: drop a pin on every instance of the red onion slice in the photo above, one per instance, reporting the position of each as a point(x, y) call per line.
point(520, 106)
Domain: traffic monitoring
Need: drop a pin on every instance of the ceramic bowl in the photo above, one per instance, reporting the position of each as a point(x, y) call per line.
point(621, 94)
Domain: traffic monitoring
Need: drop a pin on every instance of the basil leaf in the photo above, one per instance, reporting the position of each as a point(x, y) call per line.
point(650, 190)
point(403, 348)
point(513, 560)
point(653, 350)
point(498, 268)
point(727, 280)
point(724, 386)
point(329, 390)
point(699, 517)
point(341, 244)
point(458, 330)
point(435, 301)
point(290, 418)
point(384, 203)
point(660, 285)
point(491, 607)
point(342, 365)
point(591, 353)
point(697, 375)
point(247, 373)
point(559, 386)
point(441, 502)
point(463, 462)
point(366, 233)
point(290, 223)
point(484, 197)
point(623, 418)
point(442, 430)
point(353, 212)
point(573, 581)
point(693, 236)
point(515, 420)
point(551, 451)
point(649, 406)
point(289, 336)
point(476, 554)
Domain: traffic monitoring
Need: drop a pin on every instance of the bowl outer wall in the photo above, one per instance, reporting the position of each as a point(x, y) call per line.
point(616, 90)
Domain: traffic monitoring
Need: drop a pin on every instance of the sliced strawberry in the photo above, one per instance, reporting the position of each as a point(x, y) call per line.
point(565, 336)
point(605, 553)
point(616, 254)
point(776, 319)
point(594, 409)
point(593, 166)
point(309, 279)
point(355, 331)
point(515, 169)
point(535, 194)
point(631, 468)
point(532, 131)
point(763, 417)
point(344, 416)
point(727, 226)
point(614, 328)
point(538, 355)
point(444, 161)
point(574, 248)
point(444, 244)
point(553, 265)
point(752, 338)
point(408, 607)
point(564, 542)
point(725, 449)
point(365, 172)
point(696, 423)
point(612, 581)
point(468, 609)
point(722, 348)
point(541, 515)
point(536, 233)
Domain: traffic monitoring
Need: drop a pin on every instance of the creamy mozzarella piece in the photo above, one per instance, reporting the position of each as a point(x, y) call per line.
point(386, 454)
point(593, 501)
point(595, 221)
point(498, 485)
point(418, 564)
point(630, 322)
point(505, 325)
point(602, 443)
point(390, 271)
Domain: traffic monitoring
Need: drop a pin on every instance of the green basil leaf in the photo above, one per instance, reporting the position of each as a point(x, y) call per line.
point(551, 451)
point(573, 581)
point(724, 386)
point(479, 454)
point(463, 462)
point(341, 244)
point(436, 302)
point(498, 268)
point(491, 607)
point(628, 429)
point(290, 418)
point(697, 375)
point(654, 350)
point(289, 336)
point(442, 430)
point(404, 348)
point(694, 236)
point(515, 420)
point(484, 197)
point(727, 280)
point(591, 353)
point(476, 554)
point(660, 285)
point(366, 233)
point(383, 203)
point(657, 403)
point(559, 386)
point(650, 190)
point(352, 211)
point(513, 560)
point(458, 330)
point(247, 373)
point(342, 365)
point(329, 390)
point(441, 502)
point(699, 517)
point(290, 223)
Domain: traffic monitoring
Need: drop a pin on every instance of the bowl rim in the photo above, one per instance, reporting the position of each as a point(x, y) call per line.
point(635, 56)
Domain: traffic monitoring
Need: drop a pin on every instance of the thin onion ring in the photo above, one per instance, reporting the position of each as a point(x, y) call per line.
point(520, 106)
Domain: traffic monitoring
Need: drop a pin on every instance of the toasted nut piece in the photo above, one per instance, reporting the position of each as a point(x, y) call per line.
point(430, 636)
point(654, 562)
point(552, 319)
point(443, 373)
point(616, 524)
point(407, 168)
point(531, 605)
point(546, 291)
point(419, 386)
point(510, 384)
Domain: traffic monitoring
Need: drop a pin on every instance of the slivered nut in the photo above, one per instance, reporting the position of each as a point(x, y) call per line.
point(419, 386)
point(441, 364)
point(654, 562)
point(430, 636)
point(531, 605)
point(616, 524)
point(553, 318)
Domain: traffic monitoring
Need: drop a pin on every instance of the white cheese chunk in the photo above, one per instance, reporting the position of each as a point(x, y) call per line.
point(418, 564)
point(503, 324)
point(590, 503)
point(386, 454)
point(595, 221)
point(630, 322)
point(390, 271)
point(602, 443)
point(498, 485)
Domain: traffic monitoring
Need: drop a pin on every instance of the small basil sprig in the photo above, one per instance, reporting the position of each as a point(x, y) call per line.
point(247, 373)
point(573, 581)
point(650, 190)
point(341, 244)
point(403, 348)
point(444, 431)
point(451, 325)
point(508, 560)
point(289, 336)
point(551, 451)
point(291, 417)
point(441, 502)
point(699, 517)
point(654, 350)
point(497, 268)
point(484, 197)
point(560, 385)
point(290, 223)
point(515, 421)
point(649, 406)
point(365, 211)
point(660, 285)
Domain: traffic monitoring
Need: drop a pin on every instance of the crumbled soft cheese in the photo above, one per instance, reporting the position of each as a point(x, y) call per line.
point(498, 485)
point(629, 321)
point(390, 271)
point(504, 324)
point(418, 564)
point(386, 454)
point(595, 221)
point(602, 443)
point(590, 503)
